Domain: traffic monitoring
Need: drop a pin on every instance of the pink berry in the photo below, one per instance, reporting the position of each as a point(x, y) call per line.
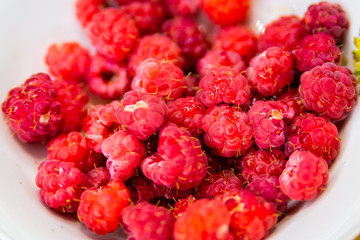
point(86, 9)
point(183, 7)
point(97, 177)
point(293, 100)
point(182, 204)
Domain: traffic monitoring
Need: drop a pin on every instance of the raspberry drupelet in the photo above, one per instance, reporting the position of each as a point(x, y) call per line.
point(228, 130)
point(329, 90)
point(141, 113)
point(100, 208)
point(32, 111)
point(144, 221)
point(304, 176)
point(271, 71)
point(86, 9)
point(187, 8)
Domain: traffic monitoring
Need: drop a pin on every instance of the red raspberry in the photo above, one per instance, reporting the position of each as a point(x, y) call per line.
point(180, 163)
point(141, 113)
point(100, 209)
point(314, 50)
point(100, 124)
point(228, 130)
point(143, 189)
point(224, 84)
point(271, 71)
point(32, 110)
point(326, 17)
point(304, 176)
point(91, 161)
point(68, 60)
point(73, 100)
point(187, 113)
point(258, 162)
point(97, 177)
point(60, 185)
point(239, 39)
point(183, 7)
point(124, 153)
point(251, 216)
point(192, 85)
point(294, 102)
point(226, 12)
point(86, 9)
point(216, 58)
point(112, 33)
point(268, 123)
point(144, 221)
point(107, 79)
point(285, 32)
point(174, 193)
point(201, 222)
point(315, 134)
point(329, 90)
point(182, 204)
point(159, 77)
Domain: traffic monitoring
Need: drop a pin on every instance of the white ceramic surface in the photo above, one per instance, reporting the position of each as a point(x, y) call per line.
point(27, 28)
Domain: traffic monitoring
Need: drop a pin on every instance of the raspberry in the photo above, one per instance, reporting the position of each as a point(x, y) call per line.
point(192, 85)
point(224, 84)
point(183, 7)
point(112, 33)
point(329, 90)
point(60, 185)
point(304, 176)
point(201, 222)
point(182, 204)
point(73, 100)
point(97, 177)
point(91, 161)
point(32, 110)
point(226, 12)
point(228, 130)
point(285, 32)
point(294, 102)
point(239, 39)
point(124, 153)
point(251, 216)
point(107, 79)
point(216, 58)
point(187, 113)
point(271, 71)
point(180, 163)
point(315, 134)
point(314, 50)
point(68, 60)
point(145, 221)
point(100, 124)
point(141, 113)
point(326, 17)
point(100, 209)
point(86, 9)
point(174, 193)
point(267, 122)
point(143, 189)
point(159, 77)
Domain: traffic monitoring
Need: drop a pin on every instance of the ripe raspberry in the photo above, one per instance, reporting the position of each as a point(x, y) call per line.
point(86, 9)
point(294, 102)
point(124, 153)
point(329, 90)
point(182, 204)
point(251, 216)
point(314, 50)
point(304, 176)
point(267, 119)
point(174, 193)
point(68, 60)
point(180, 163)
point(145, 221)
point(228, 130)
point(97, 177)
point(187, 113)
point(32, 110)
point(141, 113)
point(100, 124)
point(224, 84)
point(226, 12)
point(326, 17)
point(107, 79)
point(183, 7)
point(100, 209)
point(73, 100)
point(159, 77)
point(143, 189)
point(60, 185)
point(216, 58)
point(192, 85)
point(201, 222)
point(285, 32)
point(315, 134)
point(271, 71)
point(91, 161)
point(268, 187)
point(112, 33)
point(239, 39)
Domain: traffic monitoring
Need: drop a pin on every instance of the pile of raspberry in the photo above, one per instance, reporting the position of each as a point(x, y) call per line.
point(195, 137)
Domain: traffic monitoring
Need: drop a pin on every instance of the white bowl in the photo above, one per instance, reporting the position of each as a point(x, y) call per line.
point(27, 28)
